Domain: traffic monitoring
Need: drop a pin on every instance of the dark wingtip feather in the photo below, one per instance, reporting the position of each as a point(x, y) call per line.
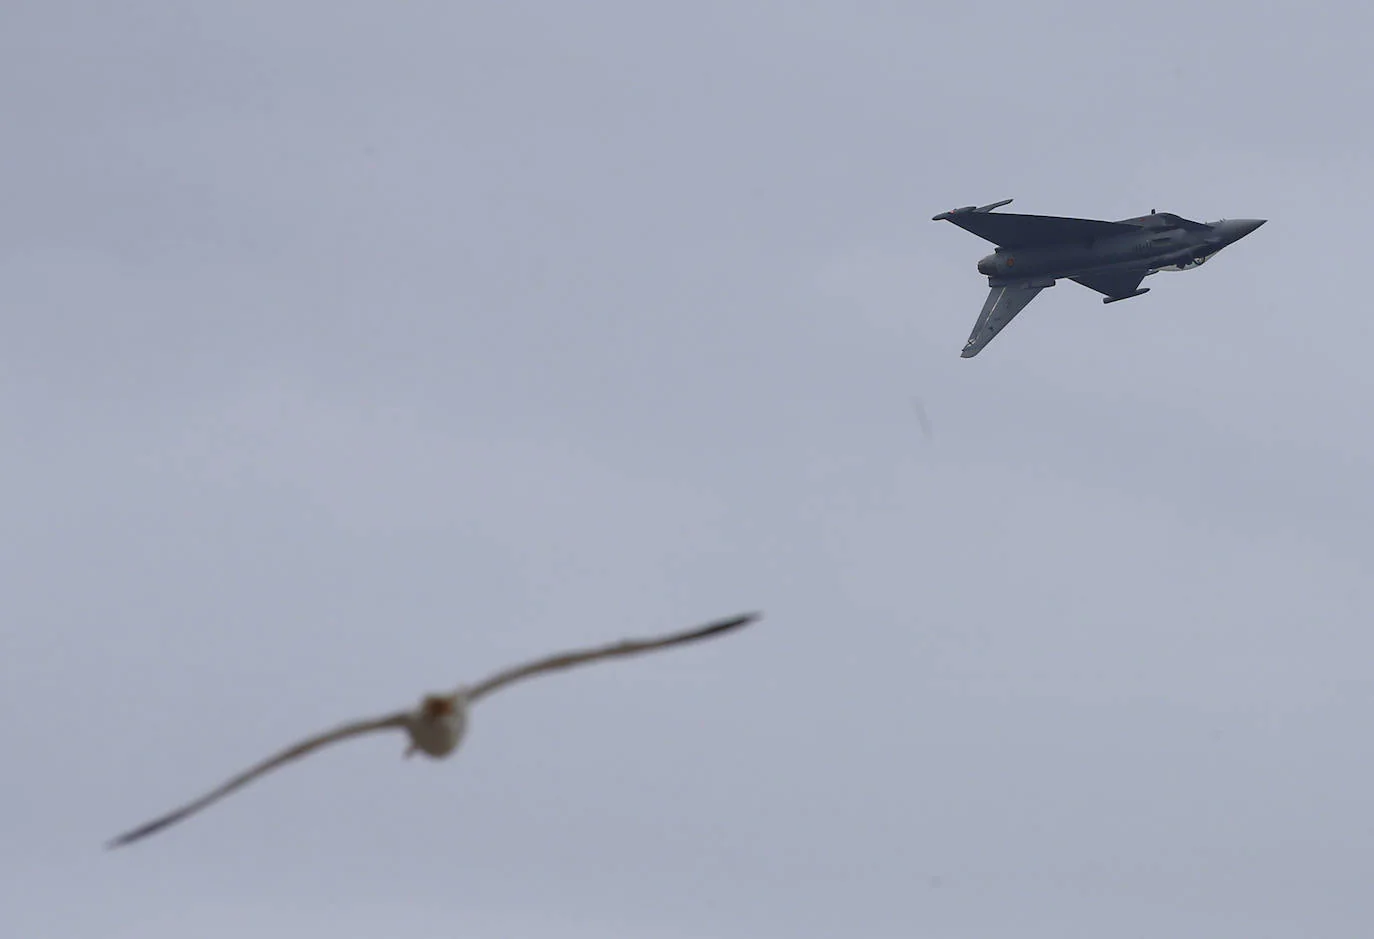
point(127, 837)
point(734, 622)
point(141, 832)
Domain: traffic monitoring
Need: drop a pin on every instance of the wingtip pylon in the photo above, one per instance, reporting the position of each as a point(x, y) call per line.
point(970, 210)
point(992, 205)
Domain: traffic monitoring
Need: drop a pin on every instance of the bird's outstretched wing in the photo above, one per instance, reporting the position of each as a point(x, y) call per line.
point(354, 729)
point(614, 650)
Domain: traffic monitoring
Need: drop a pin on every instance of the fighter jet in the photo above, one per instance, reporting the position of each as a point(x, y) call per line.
point(1110, 257)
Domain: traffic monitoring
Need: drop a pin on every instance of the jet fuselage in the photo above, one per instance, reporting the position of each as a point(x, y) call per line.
point(1174, 249)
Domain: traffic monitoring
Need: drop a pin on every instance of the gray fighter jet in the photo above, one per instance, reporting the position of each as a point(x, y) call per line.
point(1109, 257)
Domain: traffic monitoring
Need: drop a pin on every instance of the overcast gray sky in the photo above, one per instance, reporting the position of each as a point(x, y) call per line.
point(354, 350)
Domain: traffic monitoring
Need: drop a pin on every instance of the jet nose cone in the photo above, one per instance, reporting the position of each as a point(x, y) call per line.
point(1244, 226)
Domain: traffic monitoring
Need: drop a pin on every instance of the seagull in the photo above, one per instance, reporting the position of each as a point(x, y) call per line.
point(437, 725)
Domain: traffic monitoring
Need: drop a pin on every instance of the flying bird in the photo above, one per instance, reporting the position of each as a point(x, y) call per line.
point(922, 417)
point(437, 725)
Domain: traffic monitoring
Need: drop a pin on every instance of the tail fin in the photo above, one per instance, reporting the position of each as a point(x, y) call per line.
point(1002, 304)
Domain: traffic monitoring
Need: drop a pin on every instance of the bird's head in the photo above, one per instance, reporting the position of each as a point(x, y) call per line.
point(437, 706)
point(436, 727)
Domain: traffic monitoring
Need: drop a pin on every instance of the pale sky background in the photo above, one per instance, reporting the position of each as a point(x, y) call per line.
point(354, 350)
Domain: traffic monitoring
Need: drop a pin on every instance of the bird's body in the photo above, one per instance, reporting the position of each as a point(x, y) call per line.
point(437, 725)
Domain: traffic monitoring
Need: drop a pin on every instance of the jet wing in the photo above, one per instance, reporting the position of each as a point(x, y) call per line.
point(1115, 285)
point(1002, 304)
point(1008, 230)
